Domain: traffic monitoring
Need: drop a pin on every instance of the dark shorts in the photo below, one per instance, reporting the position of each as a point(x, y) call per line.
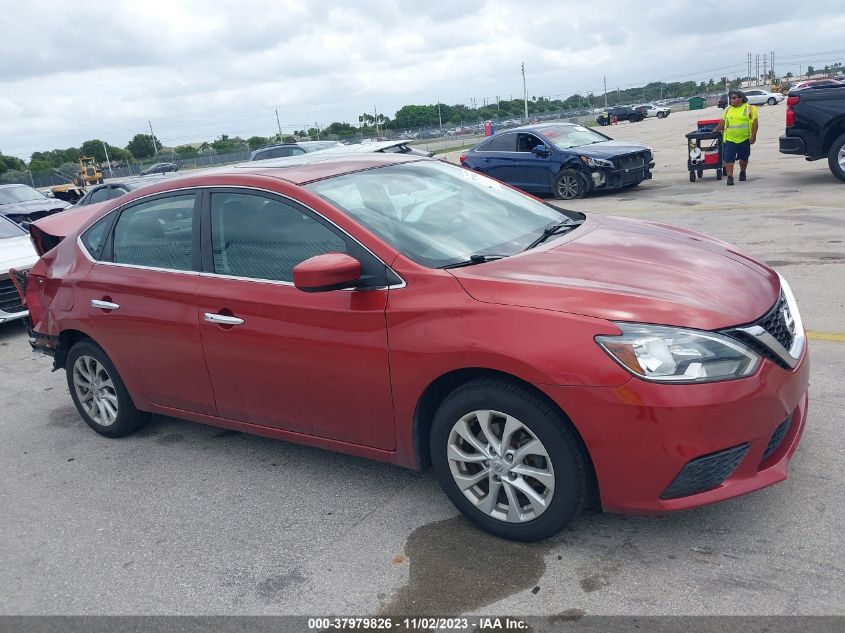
point(734, 151)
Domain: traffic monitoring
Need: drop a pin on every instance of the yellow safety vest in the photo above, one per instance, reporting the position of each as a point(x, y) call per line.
point(738, 122)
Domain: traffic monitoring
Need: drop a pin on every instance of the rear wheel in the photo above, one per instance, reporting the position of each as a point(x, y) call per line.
point(569, 185)
point(633, 118)
point(508, 460)
point(836, 157)
point(99, 393)
point(701, 173)
point(692, 176)
point(719, 174)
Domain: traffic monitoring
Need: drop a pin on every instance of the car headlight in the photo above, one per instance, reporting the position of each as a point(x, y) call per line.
point(596, 162)
point(668, 354)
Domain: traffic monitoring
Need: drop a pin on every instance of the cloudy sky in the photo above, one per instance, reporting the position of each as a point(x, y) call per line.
point(72, 71)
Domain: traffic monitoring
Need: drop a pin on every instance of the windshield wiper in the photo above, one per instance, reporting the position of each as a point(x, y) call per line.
point(558, 228)
point(478, 258)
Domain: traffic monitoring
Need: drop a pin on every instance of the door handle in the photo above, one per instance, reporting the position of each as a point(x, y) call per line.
point(222, 319)
point(103, 305)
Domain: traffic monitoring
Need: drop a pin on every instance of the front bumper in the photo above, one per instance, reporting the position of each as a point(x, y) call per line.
point(642, 436)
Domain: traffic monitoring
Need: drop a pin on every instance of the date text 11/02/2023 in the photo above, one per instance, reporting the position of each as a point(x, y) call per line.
point(416, 623)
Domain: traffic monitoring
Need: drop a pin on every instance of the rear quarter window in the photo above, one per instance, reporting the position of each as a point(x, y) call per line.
point(94, 237)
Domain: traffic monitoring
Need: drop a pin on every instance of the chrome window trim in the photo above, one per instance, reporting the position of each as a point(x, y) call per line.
point(119, 208)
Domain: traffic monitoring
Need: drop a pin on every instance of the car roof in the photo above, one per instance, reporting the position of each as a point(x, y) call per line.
point(537, 127)
point(296, 170)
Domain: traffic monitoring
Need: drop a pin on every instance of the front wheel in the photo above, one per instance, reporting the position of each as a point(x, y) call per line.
point(836, 157)
point(661, 115)
point(569, 185)
point(99, 393)
point(772, 101)
point(508, 460)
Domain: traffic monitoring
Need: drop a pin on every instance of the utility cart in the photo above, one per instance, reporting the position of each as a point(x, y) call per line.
point(704, 150)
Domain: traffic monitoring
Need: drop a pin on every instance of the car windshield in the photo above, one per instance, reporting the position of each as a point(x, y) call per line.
point(22, 193)
point(567, 136)
point(9, 229)
point(438, 214)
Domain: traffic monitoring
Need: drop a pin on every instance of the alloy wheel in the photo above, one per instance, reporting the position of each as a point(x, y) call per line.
point(95, 390)
point(568, 187)
point(841, 158)
point(500, 466)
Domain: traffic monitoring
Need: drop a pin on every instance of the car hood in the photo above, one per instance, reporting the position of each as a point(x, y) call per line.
point(630, 270)
point(608, 149)
point(16, 252)
point(31, 206)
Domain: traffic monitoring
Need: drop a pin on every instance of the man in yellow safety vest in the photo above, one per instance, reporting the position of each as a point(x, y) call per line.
point(740, 132)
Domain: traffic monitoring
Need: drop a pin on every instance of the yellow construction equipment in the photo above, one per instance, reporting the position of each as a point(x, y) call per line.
point(89, 172)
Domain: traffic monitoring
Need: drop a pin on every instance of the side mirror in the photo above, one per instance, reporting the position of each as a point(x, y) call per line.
point(540, 150)
point(323, 273)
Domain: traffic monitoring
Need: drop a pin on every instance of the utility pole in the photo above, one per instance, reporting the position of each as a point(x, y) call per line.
point(111, 173)
point(605, 93)
point(279, 125)
point(524, 92)
point(772, 65)
point(765, 73)
point(375, 118)
point(155, 145)
point(440, 117)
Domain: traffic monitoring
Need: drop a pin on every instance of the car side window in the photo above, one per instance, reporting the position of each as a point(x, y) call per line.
point(264, 238)
point(281, 152)
point(100, 195)
point(116, 192)
point(296, 151)
point(94, 237)
point(527, 142)
point(156, 233)
point(503, 143)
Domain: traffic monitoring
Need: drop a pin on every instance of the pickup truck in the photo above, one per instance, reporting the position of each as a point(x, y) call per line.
point(815, 126)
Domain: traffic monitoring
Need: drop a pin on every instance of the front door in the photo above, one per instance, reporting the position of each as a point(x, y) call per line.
point(312, 363)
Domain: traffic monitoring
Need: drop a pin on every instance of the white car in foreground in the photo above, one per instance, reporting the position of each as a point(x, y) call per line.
point(761, 97)
point(16, 251)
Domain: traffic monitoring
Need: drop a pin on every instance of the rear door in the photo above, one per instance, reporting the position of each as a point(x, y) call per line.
point(140, 297)
point(312, 363)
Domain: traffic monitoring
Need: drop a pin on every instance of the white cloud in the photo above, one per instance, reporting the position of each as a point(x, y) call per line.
point(199, 69)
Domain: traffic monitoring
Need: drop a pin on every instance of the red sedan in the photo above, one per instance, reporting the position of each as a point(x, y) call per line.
point(410, 311)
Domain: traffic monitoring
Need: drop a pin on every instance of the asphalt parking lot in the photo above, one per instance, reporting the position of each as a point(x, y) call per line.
point(183, 518)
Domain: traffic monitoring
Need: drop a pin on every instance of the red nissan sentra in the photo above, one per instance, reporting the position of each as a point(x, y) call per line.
point(410, 311)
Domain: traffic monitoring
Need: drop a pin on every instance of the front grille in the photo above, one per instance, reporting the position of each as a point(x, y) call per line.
point(774, 323)
point(10, 300)
point(706, 472)
point(777, 438)
point(635, 160)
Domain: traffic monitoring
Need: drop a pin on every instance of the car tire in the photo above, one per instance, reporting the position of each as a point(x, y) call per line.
point(836, 158)
point(718, 174)
point(632, 118)
point(99, 393)
point(569, 185)
point(692, 176)
point(772, 101)
point(508, 459)
point(661, 115)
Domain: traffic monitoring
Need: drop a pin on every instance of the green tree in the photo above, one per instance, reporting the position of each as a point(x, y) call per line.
point(255, 142)
point(95, 148)
point(11, 163)
point(810, 71)
point(39, 165)
point(185, 150)
point(141, 146)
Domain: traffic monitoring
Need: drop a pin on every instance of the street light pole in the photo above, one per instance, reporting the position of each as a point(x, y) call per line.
point(524, 92)
point(155, 145)
point(108, 162)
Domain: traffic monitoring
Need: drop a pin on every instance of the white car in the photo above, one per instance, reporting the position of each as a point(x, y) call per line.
point(16, 251)
point(661, 112)
point(761, 97)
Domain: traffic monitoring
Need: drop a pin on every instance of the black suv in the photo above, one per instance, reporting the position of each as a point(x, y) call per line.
point(622, 113)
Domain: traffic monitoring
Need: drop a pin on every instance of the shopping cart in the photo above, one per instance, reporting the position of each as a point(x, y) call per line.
point(704, 150)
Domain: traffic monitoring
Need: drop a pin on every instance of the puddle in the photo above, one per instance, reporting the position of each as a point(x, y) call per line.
point(457, 568)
